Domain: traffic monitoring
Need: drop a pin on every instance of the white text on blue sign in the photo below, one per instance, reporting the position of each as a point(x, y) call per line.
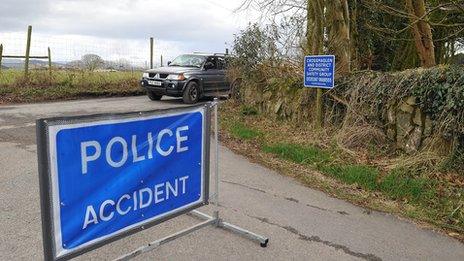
point(111, 176)
point(319, 71)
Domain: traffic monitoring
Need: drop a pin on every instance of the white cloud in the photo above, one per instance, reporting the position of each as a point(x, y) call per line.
point(123, 27)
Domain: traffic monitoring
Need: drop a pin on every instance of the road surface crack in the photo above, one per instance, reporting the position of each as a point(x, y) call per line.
point(343, 213)
point(245, 186)
point(345, 249)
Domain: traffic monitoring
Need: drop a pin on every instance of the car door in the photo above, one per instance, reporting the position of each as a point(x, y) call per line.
point(211, 77)
point(223, 83)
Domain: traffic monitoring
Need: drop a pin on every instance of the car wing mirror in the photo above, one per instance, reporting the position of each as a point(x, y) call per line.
point(209, 65)
point(169, 63)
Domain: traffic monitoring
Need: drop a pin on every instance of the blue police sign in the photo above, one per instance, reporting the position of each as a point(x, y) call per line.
point(110, 175)
point(319, 71)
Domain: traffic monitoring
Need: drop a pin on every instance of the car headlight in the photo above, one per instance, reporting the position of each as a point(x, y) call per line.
point(176, 77)
point(145, 75)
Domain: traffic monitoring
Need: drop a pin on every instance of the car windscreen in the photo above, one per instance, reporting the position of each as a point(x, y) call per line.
point(188, 60)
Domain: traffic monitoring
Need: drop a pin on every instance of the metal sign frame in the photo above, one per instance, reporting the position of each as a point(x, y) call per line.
point(215, 220)
point(46, 180)
point(333, 71)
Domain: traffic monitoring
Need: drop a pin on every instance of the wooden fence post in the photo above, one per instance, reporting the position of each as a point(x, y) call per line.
point(28, 50)
point(50, 62)
point(151, 52)
point(1, 56)
point(161, 60)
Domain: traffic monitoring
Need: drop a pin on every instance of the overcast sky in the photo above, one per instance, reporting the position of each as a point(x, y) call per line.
point(120, 28)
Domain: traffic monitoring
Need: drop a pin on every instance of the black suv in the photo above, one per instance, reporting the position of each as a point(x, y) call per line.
point(190, 76)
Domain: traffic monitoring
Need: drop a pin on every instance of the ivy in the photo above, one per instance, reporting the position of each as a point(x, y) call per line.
point(439, 93)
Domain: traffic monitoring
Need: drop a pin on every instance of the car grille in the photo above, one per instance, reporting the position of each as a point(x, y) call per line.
point(159, 76)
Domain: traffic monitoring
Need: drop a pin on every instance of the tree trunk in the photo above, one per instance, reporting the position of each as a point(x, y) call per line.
point(315, 40)
point(421, 31)
point(355, 59)
point(315, 26)
point(339, 34)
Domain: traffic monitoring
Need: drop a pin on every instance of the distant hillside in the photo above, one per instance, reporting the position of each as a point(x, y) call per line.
point(12, 63)
point(76, 64)
point(19, 63)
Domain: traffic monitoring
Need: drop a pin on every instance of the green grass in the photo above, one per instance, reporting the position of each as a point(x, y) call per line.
point(397, 184)
point(240, 131)
point(65, 84)
point(364, 176)
point(67, 77)
point(418, 193)
point(298, 154)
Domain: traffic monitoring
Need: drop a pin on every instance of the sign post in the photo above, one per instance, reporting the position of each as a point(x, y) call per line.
point(319, 73)
point(104, 177)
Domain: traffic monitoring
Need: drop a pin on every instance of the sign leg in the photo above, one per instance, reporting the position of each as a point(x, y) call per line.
point(319, 110)
point(245, 233)
point(153, 245)
point(216, 160)
point(262, 240)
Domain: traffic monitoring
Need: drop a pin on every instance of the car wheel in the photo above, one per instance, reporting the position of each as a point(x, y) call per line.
point(153, 96)
point(235, 91)
point(191, 93)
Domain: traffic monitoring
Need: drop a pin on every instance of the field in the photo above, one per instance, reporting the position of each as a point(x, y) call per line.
point(65, 84)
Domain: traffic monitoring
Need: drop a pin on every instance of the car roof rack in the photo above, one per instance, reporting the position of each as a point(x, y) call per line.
point(214, 54)
point(204, 53)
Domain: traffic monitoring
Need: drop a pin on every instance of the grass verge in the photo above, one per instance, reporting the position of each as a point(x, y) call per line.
point(63, 85)
point(295, 151)
point(242, 132)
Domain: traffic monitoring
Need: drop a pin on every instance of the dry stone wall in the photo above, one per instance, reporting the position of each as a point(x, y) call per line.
point(405, 124)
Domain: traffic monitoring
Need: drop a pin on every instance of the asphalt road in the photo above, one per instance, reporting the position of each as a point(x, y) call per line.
point(302, 223)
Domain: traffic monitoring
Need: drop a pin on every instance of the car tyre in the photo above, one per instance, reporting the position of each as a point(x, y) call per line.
point(235, 91)
point(153, 96)
point(191, 93)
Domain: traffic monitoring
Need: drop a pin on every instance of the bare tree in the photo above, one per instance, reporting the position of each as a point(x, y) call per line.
point(327, 25)
point(92, 61)
point(288, 17)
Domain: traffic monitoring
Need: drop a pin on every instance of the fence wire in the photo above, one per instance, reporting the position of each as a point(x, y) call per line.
point(66, 50)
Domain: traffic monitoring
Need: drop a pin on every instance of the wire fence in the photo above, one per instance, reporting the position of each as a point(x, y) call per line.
point(68, 50)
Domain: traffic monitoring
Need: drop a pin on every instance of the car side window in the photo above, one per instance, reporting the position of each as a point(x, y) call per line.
point(213, 60)
point(221, 63)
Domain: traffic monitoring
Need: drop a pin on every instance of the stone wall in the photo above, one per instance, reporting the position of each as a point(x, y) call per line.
point(381, 100)
point(407, 126)
point(281, 101)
